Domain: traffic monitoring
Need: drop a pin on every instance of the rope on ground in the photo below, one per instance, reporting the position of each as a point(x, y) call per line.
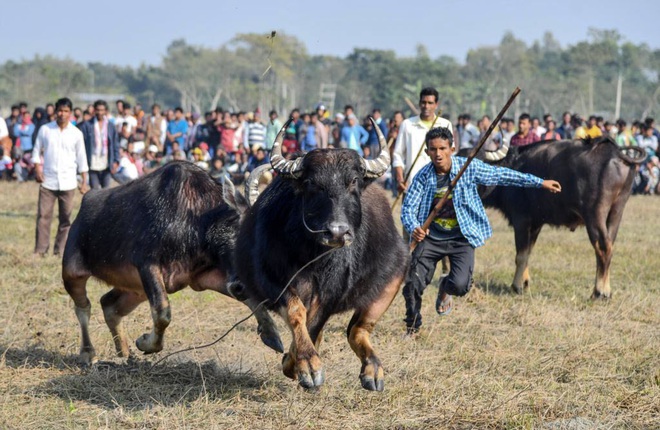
point(259, 306)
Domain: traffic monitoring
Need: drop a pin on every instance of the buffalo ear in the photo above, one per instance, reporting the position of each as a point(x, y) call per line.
point(233, 198)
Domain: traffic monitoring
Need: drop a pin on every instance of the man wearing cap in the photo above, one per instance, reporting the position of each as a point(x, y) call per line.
point(324, 118)
point(101, 145)
point(337, 125)
point(410, 139)
point(150, 162)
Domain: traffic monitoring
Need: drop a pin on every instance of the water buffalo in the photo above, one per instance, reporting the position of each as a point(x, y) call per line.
point(596, 177)
point(326, 199)
point(149, 238)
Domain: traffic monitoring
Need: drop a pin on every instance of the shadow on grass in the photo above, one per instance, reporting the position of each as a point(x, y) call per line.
point(495, 288)
point(34, 357)
point(8, 214)
point(133, 384)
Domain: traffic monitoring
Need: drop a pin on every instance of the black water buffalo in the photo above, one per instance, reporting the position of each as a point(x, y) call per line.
point(148, 238)
point(326, 199)
point(596, 178)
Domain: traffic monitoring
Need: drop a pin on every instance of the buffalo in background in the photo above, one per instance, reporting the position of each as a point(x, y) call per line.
point(596, 178)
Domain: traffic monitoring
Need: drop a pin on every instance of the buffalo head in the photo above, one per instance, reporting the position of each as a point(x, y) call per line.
point(327, 185)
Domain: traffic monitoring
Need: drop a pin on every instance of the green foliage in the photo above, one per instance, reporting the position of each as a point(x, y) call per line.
point(275, 71)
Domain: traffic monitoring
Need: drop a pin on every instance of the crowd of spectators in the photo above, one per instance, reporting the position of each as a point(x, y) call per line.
point(234, 143)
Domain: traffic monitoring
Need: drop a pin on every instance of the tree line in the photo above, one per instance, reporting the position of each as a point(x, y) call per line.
point(275, 71)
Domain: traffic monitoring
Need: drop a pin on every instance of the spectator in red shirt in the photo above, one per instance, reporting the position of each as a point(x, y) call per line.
point(551, 134)
point(525, 135)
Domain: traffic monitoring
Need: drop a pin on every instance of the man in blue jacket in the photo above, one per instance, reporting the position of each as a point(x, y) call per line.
point(101, 145)
point(459, 228)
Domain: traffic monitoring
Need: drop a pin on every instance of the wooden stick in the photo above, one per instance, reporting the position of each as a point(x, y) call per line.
point(412, 106)
point(475, 151)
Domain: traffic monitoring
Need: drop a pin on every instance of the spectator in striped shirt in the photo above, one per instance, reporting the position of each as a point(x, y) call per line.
point(459, 227)
point(255, 131)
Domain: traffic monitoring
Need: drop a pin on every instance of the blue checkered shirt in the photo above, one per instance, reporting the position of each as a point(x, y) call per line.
point(470, 212)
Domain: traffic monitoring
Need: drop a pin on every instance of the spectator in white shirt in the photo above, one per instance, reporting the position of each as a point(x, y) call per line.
point(59, 153)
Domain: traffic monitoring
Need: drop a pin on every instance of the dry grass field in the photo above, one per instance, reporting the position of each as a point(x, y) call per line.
point(549, 359)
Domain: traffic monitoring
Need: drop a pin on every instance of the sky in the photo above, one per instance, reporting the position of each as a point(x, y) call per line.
point(135, 32)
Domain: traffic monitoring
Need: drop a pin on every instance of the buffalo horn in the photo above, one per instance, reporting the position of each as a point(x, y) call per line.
point(375, 168)
point(252, 183)
point(287, 168)
point(495, 156)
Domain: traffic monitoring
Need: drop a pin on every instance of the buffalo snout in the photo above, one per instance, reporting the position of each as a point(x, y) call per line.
point(338, 234)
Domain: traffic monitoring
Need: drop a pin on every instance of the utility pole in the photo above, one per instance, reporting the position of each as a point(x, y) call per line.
point(617, 108)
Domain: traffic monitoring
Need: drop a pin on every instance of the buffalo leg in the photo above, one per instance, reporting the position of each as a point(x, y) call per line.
point(76, 286)
point(266, 327)
point(117, 304)
point(302, 359)
point(75, 276)
point(152, 280)
point(316, 319)
point(600, 239)
point(359, 330)
point(605, 250)
point(525, 236)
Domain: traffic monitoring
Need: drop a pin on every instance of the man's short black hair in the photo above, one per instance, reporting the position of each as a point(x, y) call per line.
point(467, 116)
point(100, 103)
point(127, 105)
point(648, 120)
point(22, 105)
point(272, 112)
point(178, 109)
point(15, 107)
point(439, 133)
point(375, 110)
point(64, 102)
point(522, 116)
point(155, 105)
point(429, 91)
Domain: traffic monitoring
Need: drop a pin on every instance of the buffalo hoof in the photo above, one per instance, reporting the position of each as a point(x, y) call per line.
point(516, 289)
point(311, 380)
point(272, 341)
point(88, 356)
point(309, 371)
point(147, 344)
point(598, 295)
point(371, 376)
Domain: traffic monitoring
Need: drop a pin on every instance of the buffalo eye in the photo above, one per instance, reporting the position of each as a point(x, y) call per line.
point(354, 183)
